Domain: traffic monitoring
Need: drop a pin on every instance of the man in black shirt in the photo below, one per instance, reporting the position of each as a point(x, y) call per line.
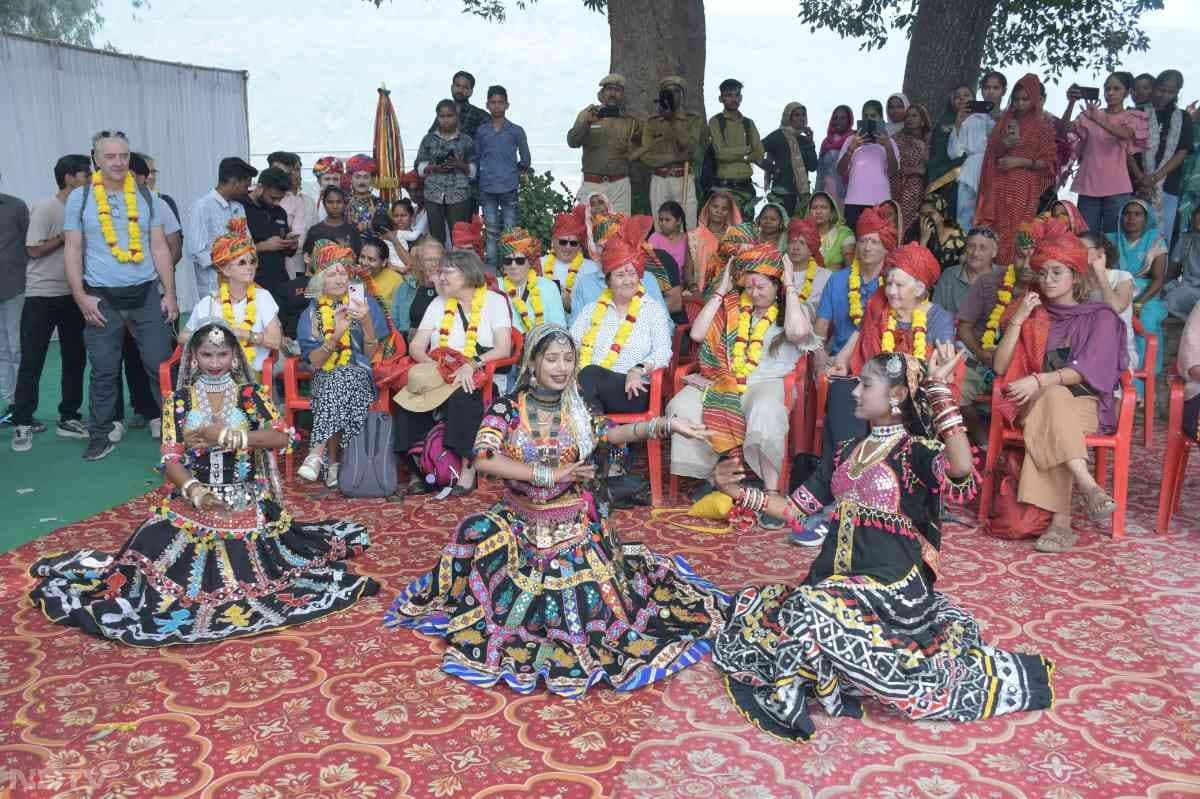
point(268, 225)
point(1158, 168)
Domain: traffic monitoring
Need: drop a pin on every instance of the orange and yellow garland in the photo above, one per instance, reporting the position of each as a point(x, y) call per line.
point(247, 319)
point(855, 298)
point(1004, 296)
point(472, 332)
point(572, 270)
point(888, 342)
point(342, 356)
point(747, 347)
point(104, 212)
point(623, 330)
point(810, 275)
point(535, 299)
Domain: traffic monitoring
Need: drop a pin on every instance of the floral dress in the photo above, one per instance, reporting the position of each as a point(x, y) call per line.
point(190, 576)
point(539, 588)
point(866, 621)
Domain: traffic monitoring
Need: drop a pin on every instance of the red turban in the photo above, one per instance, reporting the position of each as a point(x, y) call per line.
point(232, 244)
point(812, 237)
point(873, 221)
point(361, 163)
point(468, 235)
point(570, 224)
point(328, 164)
point(916, 261)
point(1054, 242)
point(619, 252)
point(410, 178)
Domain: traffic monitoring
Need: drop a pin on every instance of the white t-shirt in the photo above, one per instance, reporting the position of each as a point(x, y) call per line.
point(495, 317)
point(1115, 278)
point(265, 309)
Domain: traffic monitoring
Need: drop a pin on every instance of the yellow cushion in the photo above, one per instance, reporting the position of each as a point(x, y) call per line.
point(713, 506)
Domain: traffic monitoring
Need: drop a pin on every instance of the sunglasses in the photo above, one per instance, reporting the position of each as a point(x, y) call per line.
point(108, 134)
point(568, 242)
point(986, 232)
point(519, 261)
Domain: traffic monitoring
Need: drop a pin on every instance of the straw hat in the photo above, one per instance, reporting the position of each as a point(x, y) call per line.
point(425, 389)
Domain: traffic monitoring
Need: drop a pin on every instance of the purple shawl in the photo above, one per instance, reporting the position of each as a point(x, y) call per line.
point(1096, 336)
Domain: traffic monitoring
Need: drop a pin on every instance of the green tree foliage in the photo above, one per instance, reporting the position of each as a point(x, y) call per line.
point(70, 21)
point(1057, 34)
point(537, 203)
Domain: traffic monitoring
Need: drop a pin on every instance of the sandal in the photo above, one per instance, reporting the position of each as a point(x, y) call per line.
point(460, 490)
point(1100, 505)
point(1056, 539)
point(417, 486)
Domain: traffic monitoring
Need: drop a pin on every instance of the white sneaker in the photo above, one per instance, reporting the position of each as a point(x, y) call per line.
point(156, 428)
point(22, 440)
point(310, 470)
point(117, 433)
point(331, 475)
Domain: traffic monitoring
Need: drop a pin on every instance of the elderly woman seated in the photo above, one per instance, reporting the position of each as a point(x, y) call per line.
point(1062, 359)
point(464, 327)
point(751, 339)
point(624, 335)
point(338, 335)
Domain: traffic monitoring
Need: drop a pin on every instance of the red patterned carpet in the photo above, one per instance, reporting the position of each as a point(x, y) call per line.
point(344, 709)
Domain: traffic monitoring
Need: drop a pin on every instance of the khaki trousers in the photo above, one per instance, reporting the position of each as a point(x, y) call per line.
point(618, 192)
point(683, 192)
point(1054, 427)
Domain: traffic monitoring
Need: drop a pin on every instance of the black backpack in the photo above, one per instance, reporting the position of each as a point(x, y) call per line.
point(707, 178)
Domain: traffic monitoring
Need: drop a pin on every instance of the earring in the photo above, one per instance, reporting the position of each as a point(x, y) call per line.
point(895, 403)
point(194, 365)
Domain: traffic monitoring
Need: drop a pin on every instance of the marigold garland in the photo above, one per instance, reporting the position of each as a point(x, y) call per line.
point(572, 269)
point(810, 274)
point(888, 340)
point(854, 297)
point(104, 213)
point(341, 356)
point(747, 347)
point(623, 330)
point(472, 333)
point(1004, 296)
point(247, 320)
point(535, 299)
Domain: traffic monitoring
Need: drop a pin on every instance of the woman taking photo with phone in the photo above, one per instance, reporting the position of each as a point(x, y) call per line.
point(868, 161)
point(446, 164)
point(968, 141)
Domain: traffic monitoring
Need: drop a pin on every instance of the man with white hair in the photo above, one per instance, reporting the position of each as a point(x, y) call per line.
point(112, 265)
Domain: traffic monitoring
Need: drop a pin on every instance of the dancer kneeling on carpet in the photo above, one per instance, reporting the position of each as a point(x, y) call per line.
point(219, 558)
point(866, 621)
point(339, 335)
point(539, 586)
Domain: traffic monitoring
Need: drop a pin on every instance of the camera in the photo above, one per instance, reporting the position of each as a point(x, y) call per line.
point(608, 111)
point(441, 159)
point(1090, 93)
point(666, 100)
point(980, 106)
point(381, 222)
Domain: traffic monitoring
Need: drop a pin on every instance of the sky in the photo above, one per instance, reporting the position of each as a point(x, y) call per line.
point(315, 64)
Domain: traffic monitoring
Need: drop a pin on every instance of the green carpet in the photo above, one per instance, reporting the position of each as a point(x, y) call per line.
point(66, 488)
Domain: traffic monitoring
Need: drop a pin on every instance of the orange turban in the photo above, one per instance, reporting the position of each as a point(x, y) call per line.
point(570, 224)
point(468, 235)
point(807, 229)
point(1053, 241)
point(916, 261)
point(328, 253)
point(232, 244)
point(519, 241)
point(873, 221)
point(761, 259)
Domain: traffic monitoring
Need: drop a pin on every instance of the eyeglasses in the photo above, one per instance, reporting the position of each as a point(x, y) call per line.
point(568, 242)
point(519, 261)
point(986, 232)
point(153, 171)
point(109, 134)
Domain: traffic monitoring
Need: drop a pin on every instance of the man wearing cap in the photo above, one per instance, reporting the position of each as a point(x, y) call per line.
point(608, 137)
point(210, 217)
point(736, 145)
point(671, 140)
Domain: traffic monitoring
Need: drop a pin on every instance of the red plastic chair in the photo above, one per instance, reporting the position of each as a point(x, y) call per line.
point(1179, 447)
point(1146, 375)
point(1120, 442)
point(654, 445)
point(166, 383)
point(489, 368)
point(296, 370)
point(682, 332)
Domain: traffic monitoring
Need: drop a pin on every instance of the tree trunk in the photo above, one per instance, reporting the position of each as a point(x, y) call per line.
point(650, 41)
point(945, 49)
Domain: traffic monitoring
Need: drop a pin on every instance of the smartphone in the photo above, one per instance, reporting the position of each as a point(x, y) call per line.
point(980, 106)
point(868, 128)
point(357, 293)
point(1090, 94)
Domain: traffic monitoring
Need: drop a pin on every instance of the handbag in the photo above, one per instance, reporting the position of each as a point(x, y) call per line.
point(439, 466)
point(1010, 518)
point(368, 466)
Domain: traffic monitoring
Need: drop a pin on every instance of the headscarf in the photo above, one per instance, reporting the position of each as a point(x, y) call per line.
point(916, 261)
point(1078, 225)
point(795, 157)
point(925, 119)
point(328, 163)
point(893, 128)
point(1092, 330)
point(807, 229)
point(735, 213)
point(834, 141)
point(1133, 254)
point(603, 228)
point(264, 460)
point(761, 259)
point(570, 224)
point(519, 241)
point(361, 163)
point(468, 235)
point(232, 244)
point(574, 411)
point(872, 221)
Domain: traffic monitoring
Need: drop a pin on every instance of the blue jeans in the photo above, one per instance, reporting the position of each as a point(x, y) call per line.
point(967, 199)
point(496, 204)
point(1103, 214)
